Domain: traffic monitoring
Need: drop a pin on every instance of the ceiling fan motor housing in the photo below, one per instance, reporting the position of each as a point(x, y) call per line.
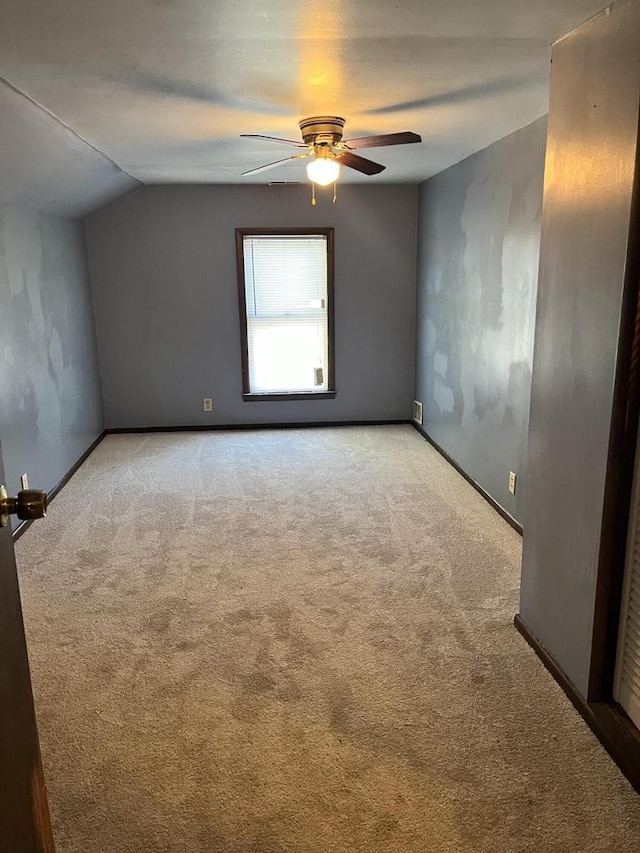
point(322, 130)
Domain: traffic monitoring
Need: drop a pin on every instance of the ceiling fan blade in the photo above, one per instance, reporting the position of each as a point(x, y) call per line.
point(367, 167)
point(384, 139)
point(273, 139)
point(271, 165)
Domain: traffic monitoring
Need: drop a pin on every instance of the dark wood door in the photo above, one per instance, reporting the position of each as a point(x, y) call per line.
point(24, 814)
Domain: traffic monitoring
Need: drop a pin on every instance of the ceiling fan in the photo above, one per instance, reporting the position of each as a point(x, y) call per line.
point(322, 139)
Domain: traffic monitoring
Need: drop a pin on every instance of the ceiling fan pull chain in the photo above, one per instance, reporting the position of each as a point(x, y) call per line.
point(335, 192)
point(313, 193)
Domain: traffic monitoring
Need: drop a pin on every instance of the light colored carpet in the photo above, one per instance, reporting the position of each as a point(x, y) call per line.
point(300, 641)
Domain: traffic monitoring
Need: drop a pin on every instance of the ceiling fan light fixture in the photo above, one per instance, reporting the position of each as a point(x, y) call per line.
point(322, 139)
point(323, 171)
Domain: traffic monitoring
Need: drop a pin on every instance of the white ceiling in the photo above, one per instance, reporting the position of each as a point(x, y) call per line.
point(165, 87)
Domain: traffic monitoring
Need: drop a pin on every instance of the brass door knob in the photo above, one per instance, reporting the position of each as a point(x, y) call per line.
point(29, 504)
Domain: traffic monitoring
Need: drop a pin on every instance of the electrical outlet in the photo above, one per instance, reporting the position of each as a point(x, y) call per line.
point(512, 482)
point(417, 411)
point(24, 481)
point(207, 404)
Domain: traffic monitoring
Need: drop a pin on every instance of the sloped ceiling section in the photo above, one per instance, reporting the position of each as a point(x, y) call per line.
point(45, 166)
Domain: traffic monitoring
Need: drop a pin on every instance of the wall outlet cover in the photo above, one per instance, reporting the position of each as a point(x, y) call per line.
point(512, 482)
point(417, 412)
point(207, 404)
point(24, 482)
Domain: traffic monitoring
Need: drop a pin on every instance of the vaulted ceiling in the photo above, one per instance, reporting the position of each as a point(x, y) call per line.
point(164, 88)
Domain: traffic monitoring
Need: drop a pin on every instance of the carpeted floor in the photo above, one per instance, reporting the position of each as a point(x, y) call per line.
point(298, 642)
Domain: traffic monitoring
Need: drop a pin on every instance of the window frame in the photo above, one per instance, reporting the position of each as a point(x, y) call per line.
point(247, 394)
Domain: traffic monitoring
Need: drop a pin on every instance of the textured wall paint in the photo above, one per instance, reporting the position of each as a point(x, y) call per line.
point(163, 270)
point(478, 245)
point(50, 406)
point(589, 183)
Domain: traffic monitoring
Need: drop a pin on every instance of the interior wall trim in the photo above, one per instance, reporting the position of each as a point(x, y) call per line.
point(231, 427)
point(621, 464)
point(494, 503)
point(20, 529)
point(241, 233)
point(607, 720)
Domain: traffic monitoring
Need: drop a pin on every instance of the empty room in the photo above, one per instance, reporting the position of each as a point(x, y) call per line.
point(319, 404)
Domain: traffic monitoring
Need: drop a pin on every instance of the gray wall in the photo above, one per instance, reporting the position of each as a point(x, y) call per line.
point(50, 403)
point(478, 245)
point(163, 269)
point(593, 134)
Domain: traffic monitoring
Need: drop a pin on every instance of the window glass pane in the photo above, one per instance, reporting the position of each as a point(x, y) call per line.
point(287, 312)
point(285, 356)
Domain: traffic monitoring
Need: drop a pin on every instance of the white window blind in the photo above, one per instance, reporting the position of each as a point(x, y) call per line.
point(285, 279)
point(626, 688)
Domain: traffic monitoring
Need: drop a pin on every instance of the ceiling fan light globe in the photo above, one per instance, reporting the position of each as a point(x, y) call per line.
point(323, 171)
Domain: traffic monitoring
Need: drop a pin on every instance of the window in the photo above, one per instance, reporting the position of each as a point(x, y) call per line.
point(285, 284)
